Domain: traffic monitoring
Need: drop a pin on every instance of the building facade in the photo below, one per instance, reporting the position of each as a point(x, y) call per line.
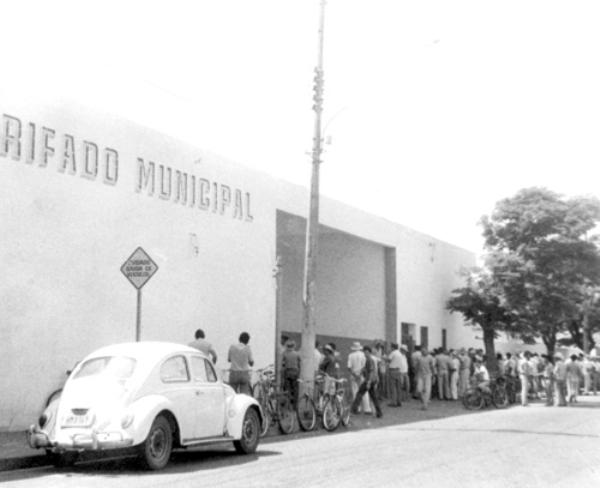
point(82, 190)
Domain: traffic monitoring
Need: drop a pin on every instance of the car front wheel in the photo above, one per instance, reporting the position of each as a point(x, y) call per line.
point(155, 451)
point(250, 433)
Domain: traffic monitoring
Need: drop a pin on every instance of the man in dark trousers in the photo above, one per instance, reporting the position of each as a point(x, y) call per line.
point(368, 384)
point(291, 370)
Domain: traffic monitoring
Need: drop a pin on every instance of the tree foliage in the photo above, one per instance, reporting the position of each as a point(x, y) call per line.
point(480, 304)
point(541, 271)
point(541, 259)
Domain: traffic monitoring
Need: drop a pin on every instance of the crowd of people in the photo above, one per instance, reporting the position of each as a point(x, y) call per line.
point(376, 373)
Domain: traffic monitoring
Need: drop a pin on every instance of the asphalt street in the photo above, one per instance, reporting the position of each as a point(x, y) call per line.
point(536, 446)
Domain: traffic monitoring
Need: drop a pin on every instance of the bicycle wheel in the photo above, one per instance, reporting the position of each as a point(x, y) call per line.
point(258, 392)
point(473, 399)
point(267, 421)
point(307, 413)
point(332, 414)
point(286, 416)
point(499, 397)
point(345, 414)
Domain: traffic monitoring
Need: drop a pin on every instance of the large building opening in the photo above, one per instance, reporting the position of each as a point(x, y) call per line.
point(356, 285)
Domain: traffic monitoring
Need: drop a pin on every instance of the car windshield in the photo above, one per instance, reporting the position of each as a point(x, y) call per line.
point(118, 367)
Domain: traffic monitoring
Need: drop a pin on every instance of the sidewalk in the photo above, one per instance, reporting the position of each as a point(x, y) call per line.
point(15, 453)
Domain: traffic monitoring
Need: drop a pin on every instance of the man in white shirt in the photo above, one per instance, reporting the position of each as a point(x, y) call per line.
point(356, 363)
point(397, 364)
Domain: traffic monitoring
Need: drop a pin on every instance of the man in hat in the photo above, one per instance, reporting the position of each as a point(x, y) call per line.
point(369, 382)
point(356, 363)
point(291, 370)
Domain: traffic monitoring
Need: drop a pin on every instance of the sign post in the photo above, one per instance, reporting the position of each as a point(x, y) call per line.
point(138, 269)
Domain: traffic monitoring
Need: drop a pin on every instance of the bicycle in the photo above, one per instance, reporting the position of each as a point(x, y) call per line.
point(276, 405)
point(476, 397)
point(332, 408)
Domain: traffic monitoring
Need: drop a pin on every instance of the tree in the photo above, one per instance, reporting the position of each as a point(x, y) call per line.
point(540, 258)
point(480, 304)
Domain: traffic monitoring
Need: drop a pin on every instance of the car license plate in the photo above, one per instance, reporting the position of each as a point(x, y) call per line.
point(77, 421)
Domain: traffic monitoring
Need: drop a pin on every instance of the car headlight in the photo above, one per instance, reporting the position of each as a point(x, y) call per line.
point(127, 420)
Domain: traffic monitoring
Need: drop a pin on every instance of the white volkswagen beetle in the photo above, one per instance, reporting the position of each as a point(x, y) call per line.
point(151, 396)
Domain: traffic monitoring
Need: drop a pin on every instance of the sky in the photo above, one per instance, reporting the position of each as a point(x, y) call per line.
point(434, 110)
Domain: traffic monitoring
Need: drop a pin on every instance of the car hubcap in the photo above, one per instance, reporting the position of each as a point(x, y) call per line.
point(158, 443)
point(250, 430)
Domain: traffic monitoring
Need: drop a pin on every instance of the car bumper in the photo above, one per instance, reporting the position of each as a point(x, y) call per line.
point(78, 441)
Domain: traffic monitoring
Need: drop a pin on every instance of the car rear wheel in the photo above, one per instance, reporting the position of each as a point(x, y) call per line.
point(155, 451)
point(250, 433)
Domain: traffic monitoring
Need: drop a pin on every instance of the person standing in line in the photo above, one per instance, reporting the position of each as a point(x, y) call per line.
point(404, 369)
point(396, 363)
point(356, 364)
point(464, 372)
point(573, 373)
point(595, 373)
point(318, 356)
point(290, 362)
point(379, 358)
point(510, 366)
point(203, 345)
point(549, 379)
point(369, 382)
point(413, 362)
point(525, 377)
point(443, 380)
point(587, 368)
point(454, 367)
point(424, 371)
point(500, 364)
point(240, 357)
point(560, 377)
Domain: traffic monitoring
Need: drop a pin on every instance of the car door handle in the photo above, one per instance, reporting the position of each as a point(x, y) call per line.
point(198, 393)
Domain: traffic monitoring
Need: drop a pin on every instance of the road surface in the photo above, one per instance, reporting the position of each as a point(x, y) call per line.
point(536, 446)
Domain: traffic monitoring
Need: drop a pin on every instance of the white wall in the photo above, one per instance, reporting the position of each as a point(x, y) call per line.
point(64, 239)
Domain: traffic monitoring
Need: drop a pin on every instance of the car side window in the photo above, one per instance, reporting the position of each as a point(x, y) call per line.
point(198, 369)
point(174, 370)
point(210, 372)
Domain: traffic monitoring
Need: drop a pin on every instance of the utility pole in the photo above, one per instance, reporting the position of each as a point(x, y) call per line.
point(312, 227)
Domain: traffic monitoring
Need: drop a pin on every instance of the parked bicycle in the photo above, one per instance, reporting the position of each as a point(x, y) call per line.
point(332, 406)
point(476, 396)
point(276, 404)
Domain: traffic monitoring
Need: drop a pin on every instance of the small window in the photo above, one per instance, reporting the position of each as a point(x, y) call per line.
point(210, 372)
point(198, 369)
point(174, 369)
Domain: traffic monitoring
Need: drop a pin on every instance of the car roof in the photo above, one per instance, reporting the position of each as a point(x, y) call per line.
point(144, 350)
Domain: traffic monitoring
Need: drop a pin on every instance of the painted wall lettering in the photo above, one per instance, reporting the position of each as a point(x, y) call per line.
point(11, 137)
point(145, 178)
point(43, 146)
point(111, 166)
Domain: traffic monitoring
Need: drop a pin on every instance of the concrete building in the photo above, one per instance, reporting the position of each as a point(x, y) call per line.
point(81, 191)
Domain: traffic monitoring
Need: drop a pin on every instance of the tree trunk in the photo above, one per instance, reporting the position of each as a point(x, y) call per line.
point(574, 327)
point(550, 343)
point(490, 352)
